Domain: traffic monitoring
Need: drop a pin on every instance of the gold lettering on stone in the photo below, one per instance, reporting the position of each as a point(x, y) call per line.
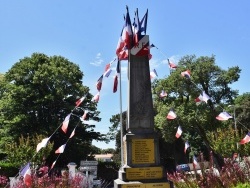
point(147, 185)
point(143, 151)
point(144, 173)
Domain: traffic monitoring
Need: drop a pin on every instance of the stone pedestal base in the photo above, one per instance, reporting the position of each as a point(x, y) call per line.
point(138, 184)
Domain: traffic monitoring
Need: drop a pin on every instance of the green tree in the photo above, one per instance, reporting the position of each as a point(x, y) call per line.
point(200, 127)
point(36, 95)
point(196, 120)
point(115, 133)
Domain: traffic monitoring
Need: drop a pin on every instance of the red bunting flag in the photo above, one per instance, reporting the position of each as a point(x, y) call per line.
point(171, 65)
point(96, 97)
point(223, 116)
point(186, 146)
point(171, 115)
point(186, 74)
point(125, 40)
point(61, 149)
point(99, 83)
point(246, 139)
point(26, 173)
point(79, 101)
point(65, 123)
point(163, 94)
point(42, 144)
point(179, 132)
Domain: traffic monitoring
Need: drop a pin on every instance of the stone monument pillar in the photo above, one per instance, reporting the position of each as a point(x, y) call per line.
point(142, 168)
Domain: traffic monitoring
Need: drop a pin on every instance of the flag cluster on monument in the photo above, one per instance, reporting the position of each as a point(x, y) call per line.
point(131, 34)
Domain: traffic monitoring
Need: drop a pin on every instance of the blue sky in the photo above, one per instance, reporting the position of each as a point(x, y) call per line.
point(86, 33)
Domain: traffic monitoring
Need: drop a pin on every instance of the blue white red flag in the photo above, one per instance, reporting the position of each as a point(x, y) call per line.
point(246, 139)
point(61, 149)
point(186, 74)
point(99, 83)
point(53, 164)
point(42, 144)
point(153, 74)
point(72, 133)
point(199, 100)
point(223, 116)
point(186, 146)
point(143, 23)
point(26, 173)
point(171, 115)
point(136, 27)
point(96, 97)
point(115, 84)
point(108, 69)
point(79, 101)
point(163, 94)
point(65, 123)
point(139, 26)
point(116, 77)
point(195, 162)
point(125, 40)
point(205, 97)
point(179, 132)
point(84, 116)
point(151, 46)
point(171, 65)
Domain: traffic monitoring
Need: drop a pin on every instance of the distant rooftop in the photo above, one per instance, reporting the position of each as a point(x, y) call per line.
point(104, 157)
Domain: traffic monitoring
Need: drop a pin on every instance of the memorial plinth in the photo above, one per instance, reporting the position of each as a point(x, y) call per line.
point(142, 168)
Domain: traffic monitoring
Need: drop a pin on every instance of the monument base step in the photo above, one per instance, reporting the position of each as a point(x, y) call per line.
point(139, 184)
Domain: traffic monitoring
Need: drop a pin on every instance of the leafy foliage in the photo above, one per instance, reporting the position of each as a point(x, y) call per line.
point(22, 151)
point(36, 95)
point(196, 120)
point(231, 175)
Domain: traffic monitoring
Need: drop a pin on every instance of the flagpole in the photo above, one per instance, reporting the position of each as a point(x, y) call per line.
point(121, 126)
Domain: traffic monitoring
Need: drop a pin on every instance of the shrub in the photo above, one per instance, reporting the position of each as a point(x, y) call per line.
point(3, 181)
point(8, 169)
point(232, 175)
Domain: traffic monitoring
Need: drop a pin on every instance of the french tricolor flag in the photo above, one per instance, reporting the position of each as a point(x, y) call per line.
point(171, 65)
point(153, 74)
point(53, 164)
point(61, 149)
point(246, 139)
point(179, 132)
point(26, 173)
point(186, 74)
point(84, 116)
point(124, 42)
point(96, 97)
point(195, 162)
point(65, 124)
point(199, 100)
point(186, 146)
point(171, 115)
point(163, 94)
point(205, 97)
point(223, 116)
point(99, 83)
point(73, 133)
point(79, 101)
point(42, 144)
point(108, 69)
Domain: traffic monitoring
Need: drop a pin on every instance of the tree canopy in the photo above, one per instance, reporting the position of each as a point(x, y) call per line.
point(198, 122)
point(36, 95)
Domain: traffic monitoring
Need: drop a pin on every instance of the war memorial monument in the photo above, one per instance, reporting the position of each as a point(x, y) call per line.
point(141, 168)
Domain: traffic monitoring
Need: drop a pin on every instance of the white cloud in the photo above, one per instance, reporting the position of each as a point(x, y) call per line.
point(174, 59)
point(98, 60)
